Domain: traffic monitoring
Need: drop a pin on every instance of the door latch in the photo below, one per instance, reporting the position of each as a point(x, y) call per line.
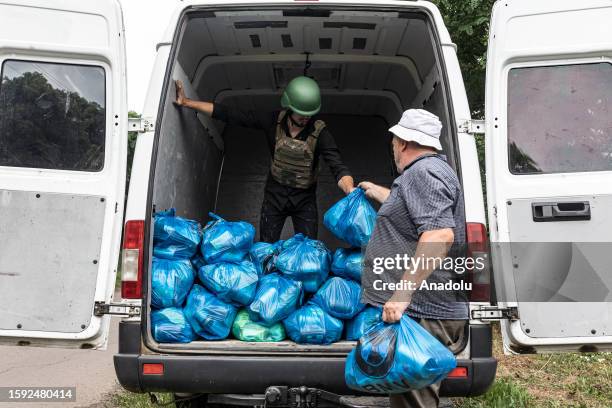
point(494, 313)
point(474, 127)
point(141, 125)
point(116, 309)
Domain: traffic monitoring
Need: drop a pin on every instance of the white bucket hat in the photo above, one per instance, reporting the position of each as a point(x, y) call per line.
point(420, 126)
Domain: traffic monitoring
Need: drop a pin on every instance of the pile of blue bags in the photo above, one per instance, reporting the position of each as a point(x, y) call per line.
point(175, 242)
point(213, 282)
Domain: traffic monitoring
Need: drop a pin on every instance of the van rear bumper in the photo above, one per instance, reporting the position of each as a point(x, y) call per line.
point(253, 374)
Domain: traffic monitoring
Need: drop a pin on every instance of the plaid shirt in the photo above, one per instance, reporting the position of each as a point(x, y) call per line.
point(426, 196)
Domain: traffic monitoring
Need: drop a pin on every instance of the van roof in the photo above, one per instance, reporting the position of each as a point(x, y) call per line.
point(425, 5)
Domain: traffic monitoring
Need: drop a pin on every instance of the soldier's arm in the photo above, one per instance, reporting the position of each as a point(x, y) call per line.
point(331, 154)
point(229, 115)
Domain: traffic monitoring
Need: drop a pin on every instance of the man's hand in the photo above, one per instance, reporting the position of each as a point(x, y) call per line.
point(393, 311)
point(180, 93)
point(375, 192)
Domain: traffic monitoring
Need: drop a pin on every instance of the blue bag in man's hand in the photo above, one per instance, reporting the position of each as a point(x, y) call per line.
point(209, 316)
point(312, 325)
point(305, 260)
point(170, 326)
point(175, 237)
point(396, 358)
point(347, 263)
point(171, 282)
point(234, 283)
point(352, 219)
point(340, 298)
point(225, 241)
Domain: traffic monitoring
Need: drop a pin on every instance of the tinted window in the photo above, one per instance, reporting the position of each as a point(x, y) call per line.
point(560, 119)
point(52, 116)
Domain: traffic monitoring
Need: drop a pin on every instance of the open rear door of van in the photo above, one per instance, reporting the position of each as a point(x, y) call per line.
point(63, 148)
point(549, 172)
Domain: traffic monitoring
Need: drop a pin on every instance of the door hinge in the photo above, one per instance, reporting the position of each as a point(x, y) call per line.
point(116, 309)
point(474, 127)
point(493, 313)
point(141, 125)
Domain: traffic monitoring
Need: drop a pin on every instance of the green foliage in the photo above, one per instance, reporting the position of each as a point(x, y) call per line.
point(46, 127)
point(468, 24)
point(131, 400)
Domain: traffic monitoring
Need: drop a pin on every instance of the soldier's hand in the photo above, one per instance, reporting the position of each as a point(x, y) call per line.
point(180, 93)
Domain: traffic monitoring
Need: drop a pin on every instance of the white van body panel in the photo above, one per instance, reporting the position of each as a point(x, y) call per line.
point(61, 229)
point(555, 270)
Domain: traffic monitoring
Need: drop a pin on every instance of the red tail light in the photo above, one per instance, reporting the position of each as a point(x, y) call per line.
point(131, 262)
point(153, 368)
point(458, 372)
point(478, 249)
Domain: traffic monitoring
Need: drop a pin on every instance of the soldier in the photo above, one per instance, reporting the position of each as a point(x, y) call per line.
point(296, 142)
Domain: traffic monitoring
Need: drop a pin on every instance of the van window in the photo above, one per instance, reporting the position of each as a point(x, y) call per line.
point(52, 116)
point(560, 119)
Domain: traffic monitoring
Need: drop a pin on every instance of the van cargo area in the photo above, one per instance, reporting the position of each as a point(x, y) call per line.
point(371, 64)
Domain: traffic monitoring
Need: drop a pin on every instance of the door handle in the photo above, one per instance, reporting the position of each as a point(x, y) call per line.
point(562, 211)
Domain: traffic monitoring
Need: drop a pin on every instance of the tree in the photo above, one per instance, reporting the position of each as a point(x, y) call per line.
point(468, 24)
point(45, 127)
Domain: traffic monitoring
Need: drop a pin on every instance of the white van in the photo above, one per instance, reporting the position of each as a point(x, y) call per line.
point(63, 147)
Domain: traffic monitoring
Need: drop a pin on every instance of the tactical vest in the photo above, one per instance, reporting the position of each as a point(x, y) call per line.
point(293, 162)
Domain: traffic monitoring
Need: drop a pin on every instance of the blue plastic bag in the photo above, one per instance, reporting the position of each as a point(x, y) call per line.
point(170, 326)
point(175, 237)
point(352, 219)
point(347, 263)
point(209, 316)
point(396, 358)
point(198, 261)
point(276, 298)
point(340, 298)
point(305, 260)
point(225, 241)
point(367, 318)
point(262, 254)
point(312, 325)
point(171, 282)
point(234, 283)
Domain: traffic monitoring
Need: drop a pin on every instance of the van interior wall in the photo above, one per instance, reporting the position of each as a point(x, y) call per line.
point(188, 159)
point(364, 93)
point(364, 144)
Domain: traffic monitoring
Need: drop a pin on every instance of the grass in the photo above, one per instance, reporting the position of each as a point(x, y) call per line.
point(504, 393)
point(131, 400)
point(572, 380)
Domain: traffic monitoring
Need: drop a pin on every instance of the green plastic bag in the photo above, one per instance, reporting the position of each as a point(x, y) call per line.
point(247, 330)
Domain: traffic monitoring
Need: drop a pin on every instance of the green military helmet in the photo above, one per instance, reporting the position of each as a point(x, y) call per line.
point(302, 96)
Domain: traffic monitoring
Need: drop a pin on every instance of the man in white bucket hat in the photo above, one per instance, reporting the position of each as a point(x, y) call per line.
point(421, 216)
